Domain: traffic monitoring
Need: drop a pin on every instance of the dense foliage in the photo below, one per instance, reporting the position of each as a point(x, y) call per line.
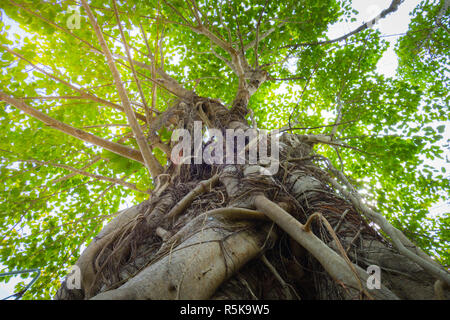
point(48, 213)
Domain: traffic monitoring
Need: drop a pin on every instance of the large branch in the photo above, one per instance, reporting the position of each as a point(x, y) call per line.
point(196, 267)
point(392, 8)
point(119, 149)
point(150, 161)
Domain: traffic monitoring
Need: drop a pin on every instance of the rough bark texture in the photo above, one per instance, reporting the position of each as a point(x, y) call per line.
point(219, 247)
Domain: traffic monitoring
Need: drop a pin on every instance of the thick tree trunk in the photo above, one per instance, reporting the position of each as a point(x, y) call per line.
point(208, 233)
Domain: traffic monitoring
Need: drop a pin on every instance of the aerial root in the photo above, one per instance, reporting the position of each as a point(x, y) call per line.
point(400, 241)
point(196, 268)
point(203, 187)
point(307, 228)
point(196, 260)
point(339, 268)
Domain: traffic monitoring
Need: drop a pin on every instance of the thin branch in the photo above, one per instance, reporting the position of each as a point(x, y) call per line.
point(133, 71)
point(284, 285)
point(167, 82)
point(238, 30)
point(201, 29)
point(400, 241)
point(159, 19)
point(326, 139)
point(174, 87)
point(91, 163)
point(341, 219)
point(54, 98)
point(84, 93)
point(227, 62)
point(286, 79)
point(150, 161)
point(252, 43)
point(85, 173)
point(153, 73)
point(303, 92)
point(339, 113)
point(188, 23)
point(219, 10)
point(119, 149)
point(107, 125)
point(161, 53)
point(94, 49)
point(320, 217)
point(56, 26)
point(196, 11)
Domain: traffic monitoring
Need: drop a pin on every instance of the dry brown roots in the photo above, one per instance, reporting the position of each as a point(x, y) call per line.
point(226, 232)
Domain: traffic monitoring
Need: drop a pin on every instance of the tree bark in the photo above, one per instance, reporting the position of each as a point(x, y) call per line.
point(230, 232)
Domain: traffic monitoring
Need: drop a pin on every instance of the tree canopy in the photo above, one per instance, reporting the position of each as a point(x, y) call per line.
point(63, 179)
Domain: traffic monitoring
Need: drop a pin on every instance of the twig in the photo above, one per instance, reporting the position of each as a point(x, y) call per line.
point(245, 283)
point(316, 127)
point(353, 240)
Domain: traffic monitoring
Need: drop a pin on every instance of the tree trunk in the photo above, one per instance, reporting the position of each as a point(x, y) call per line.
point(230, 232)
